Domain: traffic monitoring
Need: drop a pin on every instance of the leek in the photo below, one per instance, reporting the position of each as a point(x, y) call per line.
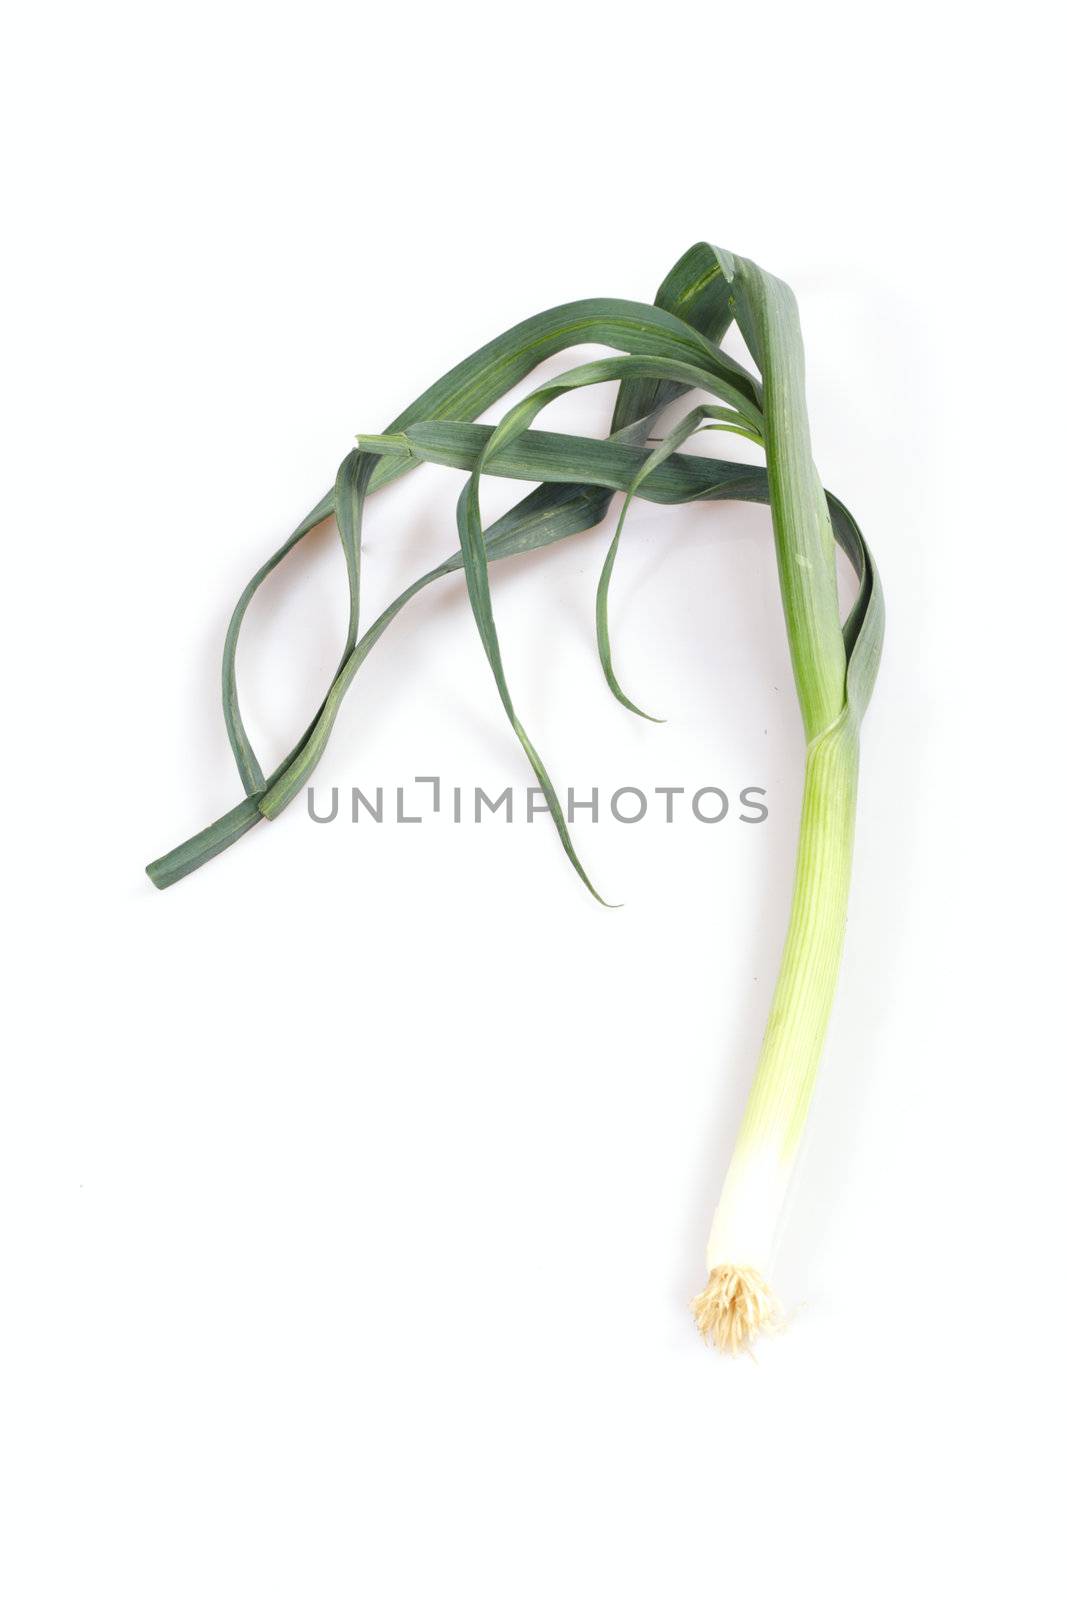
point(666, 350)
point(737, 1301)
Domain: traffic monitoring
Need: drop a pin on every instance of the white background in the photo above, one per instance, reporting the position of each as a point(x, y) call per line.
point(353, 1191)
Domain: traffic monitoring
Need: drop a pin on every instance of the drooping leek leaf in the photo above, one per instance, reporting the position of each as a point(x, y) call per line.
point(692, 308)
point(694, 421)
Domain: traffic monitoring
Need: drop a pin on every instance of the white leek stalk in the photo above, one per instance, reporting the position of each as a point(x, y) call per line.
point(738, 1300)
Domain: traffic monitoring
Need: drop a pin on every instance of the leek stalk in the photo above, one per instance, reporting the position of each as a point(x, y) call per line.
point(737, 1302)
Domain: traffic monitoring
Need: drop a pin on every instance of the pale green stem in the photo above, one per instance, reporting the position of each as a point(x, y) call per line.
point(744, 1231)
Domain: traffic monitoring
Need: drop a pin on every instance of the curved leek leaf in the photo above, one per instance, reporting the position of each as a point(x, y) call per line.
point(482, 378)
point(694, 298)
point(694, 421)
point(472, 541)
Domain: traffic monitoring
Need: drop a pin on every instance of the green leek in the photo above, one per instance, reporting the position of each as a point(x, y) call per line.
point(667, 350)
